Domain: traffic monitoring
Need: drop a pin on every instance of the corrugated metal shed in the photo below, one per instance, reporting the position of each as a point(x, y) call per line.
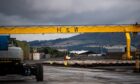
point(119, 48)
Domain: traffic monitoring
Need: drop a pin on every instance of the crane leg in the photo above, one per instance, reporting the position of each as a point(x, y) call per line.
point(128, 46)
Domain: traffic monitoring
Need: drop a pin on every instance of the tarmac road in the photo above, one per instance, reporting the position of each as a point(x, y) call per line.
point(68, 75)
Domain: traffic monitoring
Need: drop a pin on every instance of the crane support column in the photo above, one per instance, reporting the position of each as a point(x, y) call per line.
point(128, 46)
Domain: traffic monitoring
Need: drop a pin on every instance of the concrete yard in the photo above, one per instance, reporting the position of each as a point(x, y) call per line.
point(68, 75)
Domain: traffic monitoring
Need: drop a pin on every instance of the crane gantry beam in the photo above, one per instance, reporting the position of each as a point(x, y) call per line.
point(127, 29)
point(68, 29)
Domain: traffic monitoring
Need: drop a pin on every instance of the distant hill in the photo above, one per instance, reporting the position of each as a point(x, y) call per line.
point(88, 39)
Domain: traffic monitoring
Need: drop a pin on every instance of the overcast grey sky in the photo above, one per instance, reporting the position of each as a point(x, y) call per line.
point(67, 12)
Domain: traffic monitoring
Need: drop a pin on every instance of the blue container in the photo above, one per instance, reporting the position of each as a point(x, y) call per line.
point(4, 41)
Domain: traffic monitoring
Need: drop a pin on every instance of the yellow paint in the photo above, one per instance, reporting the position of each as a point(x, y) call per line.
point(68, 29)
point(128, 46)
point(51, 62)
point(66, 63)
point(74, 29)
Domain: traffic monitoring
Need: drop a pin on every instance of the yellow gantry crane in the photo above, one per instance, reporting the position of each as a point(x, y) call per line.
point(127, 29)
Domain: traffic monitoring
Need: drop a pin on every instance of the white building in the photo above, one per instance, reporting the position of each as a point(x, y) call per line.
point(78, 51)
point(36, 56)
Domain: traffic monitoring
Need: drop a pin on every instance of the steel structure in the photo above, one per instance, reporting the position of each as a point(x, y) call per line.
point(127, 29)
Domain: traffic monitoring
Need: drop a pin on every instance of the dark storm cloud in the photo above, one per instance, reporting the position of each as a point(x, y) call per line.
point(68, 12)
point(13, 7)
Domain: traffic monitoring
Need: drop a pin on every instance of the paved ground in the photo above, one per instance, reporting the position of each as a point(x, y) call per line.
point(67, 75)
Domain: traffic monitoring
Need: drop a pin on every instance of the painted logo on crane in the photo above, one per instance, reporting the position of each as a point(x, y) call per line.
point(67, 30)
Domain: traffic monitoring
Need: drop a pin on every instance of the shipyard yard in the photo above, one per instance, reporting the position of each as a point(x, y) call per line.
point(69, 41)
point(70, 75)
